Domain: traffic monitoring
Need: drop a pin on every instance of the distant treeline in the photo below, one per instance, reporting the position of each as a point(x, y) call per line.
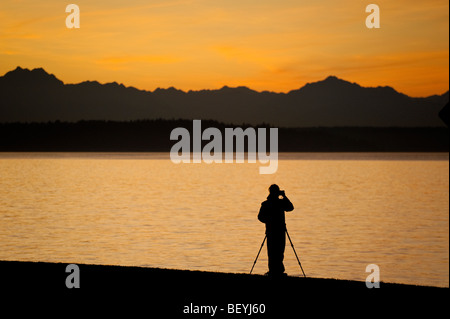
point(154, 136)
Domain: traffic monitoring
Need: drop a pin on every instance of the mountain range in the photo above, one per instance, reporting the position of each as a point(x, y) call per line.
point(37, 96)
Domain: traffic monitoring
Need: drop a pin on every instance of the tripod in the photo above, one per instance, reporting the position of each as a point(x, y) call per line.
point(292, 245)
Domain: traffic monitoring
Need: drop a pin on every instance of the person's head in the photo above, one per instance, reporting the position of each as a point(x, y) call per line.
point(274, 190)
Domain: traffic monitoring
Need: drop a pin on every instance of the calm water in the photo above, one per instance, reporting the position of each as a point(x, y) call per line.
point(351, 210)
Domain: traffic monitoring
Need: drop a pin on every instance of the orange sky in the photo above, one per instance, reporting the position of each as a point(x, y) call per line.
point(276, 45)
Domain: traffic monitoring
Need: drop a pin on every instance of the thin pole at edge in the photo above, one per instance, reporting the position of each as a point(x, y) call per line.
point(292, 245)
point(258, 254)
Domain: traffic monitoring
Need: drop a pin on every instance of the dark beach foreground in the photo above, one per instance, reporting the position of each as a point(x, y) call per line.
point(158, 293)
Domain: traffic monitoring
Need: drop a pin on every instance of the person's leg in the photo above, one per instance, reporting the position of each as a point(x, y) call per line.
point(271, 249)
point(282, 248)
point(276, 243)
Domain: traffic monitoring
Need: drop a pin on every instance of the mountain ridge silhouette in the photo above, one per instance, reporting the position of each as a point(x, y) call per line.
point(37, 96)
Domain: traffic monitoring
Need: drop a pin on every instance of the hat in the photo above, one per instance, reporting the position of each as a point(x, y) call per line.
point(274, 189)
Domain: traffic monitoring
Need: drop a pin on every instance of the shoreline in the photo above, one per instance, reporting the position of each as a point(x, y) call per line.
point(110, 136)
point(98, 275)
point(106, 289)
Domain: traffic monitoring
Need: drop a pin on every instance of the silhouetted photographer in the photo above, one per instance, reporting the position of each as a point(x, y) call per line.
point(271, 213)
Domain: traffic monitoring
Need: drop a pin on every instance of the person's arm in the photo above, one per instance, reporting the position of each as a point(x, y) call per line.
point(288, 207)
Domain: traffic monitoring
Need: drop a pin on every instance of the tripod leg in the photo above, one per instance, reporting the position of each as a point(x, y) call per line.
point(254, 263)
point(292, 245)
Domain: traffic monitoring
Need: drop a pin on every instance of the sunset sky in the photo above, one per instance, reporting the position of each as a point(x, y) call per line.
point(276, 45)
